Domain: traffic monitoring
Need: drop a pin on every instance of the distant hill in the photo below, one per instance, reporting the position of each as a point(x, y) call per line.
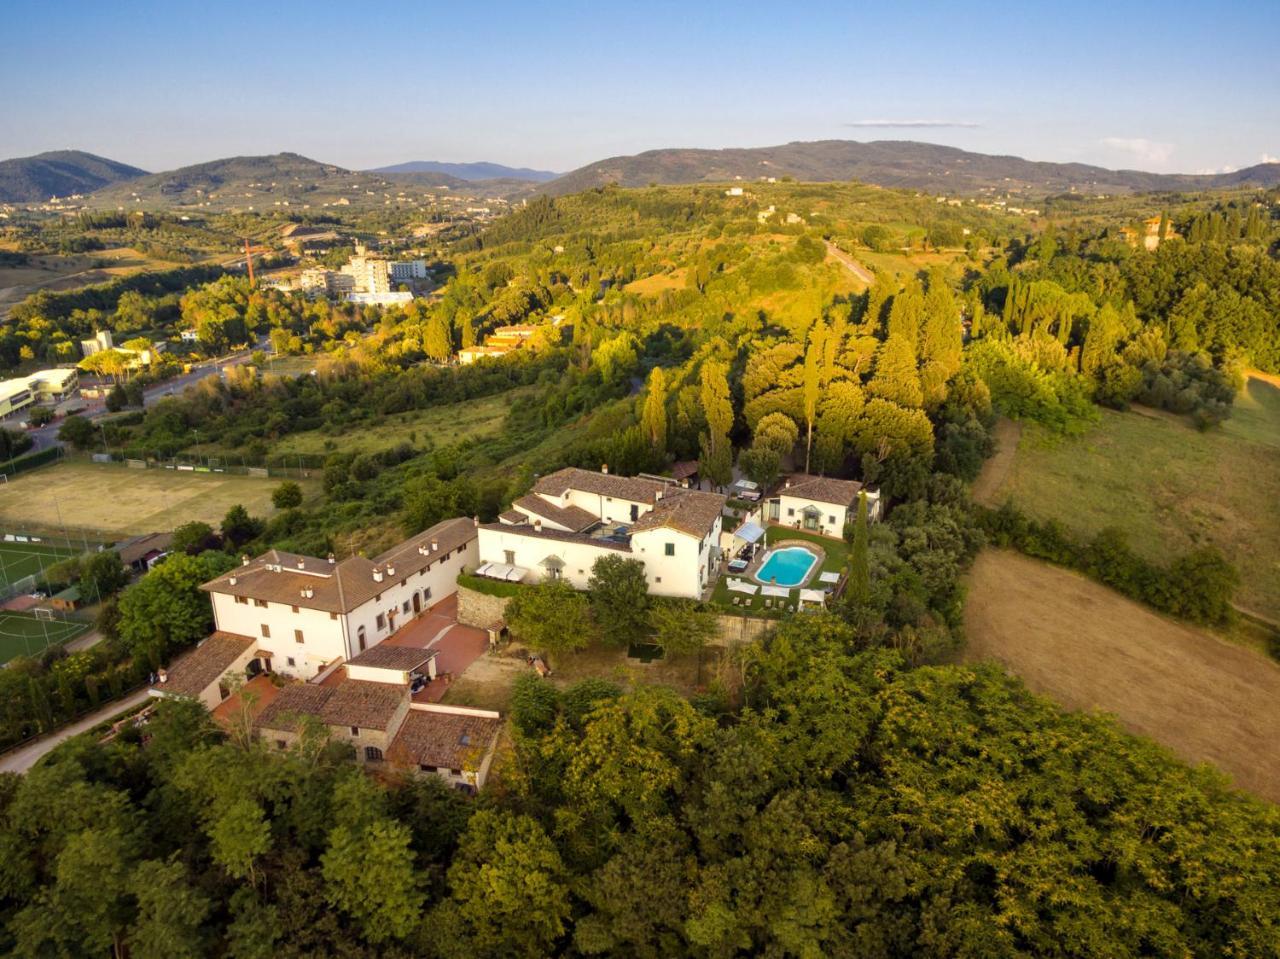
point(61, 173)
point(283, 178)
point(470, 171)
point(891, 163)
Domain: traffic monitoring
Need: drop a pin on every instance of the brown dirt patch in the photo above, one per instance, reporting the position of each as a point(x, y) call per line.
point(1091, 649)
point(986, 488)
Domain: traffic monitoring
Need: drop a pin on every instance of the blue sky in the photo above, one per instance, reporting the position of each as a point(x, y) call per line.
point(1159, 86)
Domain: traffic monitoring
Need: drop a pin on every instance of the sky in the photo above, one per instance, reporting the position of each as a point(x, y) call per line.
point(1167, 87)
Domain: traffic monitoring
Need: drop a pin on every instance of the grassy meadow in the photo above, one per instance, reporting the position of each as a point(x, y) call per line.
point(1167, 485)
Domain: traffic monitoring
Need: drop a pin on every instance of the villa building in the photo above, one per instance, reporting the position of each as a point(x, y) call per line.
point(820, 504)
point(302, 613)
point(573, 517)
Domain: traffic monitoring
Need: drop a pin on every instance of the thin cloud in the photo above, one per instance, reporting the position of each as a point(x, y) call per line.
point(914, 124)
point(1268, 158)
point(1149, 151)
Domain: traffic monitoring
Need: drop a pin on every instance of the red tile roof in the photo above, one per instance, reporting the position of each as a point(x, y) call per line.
point(196, 670)
point(443, 740)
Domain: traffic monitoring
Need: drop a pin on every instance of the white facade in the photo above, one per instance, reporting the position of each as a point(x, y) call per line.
point(304, 639)
point(402, 271)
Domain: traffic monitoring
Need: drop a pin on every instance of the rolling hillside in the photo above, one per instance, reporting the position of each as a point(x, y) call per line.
point(35, 179)
point(260, 181)
point(470, 171)
point(891, 163)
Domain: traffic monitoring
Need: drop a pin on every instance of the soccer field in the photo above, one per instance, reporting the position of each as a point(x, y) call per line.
point(21, 634)
point(19, 560)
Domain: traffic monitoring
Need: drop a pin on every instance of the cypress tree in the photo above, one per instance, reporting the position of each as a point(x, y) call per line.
point(859, 561)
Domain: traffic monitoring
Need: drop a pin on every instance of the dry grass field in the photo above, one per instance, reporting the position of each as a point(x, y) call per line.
point(118, 501)
point(1089, 648)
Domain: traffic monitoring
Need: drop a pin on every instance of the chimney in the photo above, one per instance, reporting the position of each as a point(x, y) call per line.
point(244, 560)
point(604, 468)
point(391, 569)
point(435, 544)
point(787, 483)
point(537, 525)
point(308, 592)
point(423, 550)
point(332, 559)
point(475, 520)
point(377, 574)
point(232, 580)
point(302, 564)
point(657, 495)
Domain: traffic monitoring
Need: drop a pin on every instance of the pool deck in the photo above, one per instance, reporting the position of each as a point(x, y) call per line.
point(753, 570)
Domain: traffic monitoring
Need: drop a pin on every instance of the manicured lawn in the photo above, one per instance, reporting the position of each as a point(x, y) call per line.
point(834, 561)
point(20, 560)
point(21, 634)
point(1169, 486)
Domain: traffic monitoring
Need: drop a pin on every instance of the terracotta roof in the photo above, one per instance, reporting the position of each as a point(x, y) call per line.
point(631, 488)
point(294, 700)
point(384, 656)
point(822, 489)
point(684, 469)
point(443, 740)
point(139, 547)
point(196, 670)
point(690, 511)
point(573, 518)
point(357, 702)
point(513, 516)
point(525, 529)
point(279, 577)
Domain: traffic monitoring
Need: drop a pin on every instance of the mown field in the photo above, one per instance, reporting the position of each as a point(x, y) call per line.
point(117, 501)
point(1089, 648)
point(1170, 487)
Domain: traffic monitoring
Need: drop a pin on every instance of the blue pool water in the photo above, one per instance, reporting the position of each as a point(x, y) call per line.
point(789, 567)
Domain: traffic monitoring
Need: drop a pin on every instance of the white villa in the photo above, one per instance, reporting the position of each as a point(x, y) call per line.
point(820, 504)
point(573, 517)
point(303, 614)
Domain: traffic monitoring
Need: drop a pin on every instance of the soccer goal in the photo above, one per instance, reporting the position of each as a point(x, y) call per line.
point(43, 612)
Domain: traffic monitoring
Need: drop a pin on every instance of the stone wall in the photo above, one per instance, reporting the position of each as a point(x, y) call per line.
point(480, 609)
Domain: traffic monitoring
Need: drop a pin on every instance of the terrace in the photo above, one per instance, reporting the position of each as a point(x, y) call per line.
point(833, 558)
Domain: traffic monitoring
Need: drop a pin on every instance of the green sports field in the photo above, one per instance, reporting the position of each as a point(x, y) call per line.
point(21, 634)
point(19, 560)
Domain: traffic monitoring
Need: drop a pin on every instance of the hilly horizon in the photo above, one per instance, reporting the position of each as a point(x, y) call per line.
point(59, 173)
point(907, 164)
point(479, 170)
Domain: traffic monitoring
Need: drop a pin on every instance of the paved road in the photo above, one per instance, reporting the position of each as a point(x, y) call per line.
point(46, 436)
point(852, 265)
point(20, 760)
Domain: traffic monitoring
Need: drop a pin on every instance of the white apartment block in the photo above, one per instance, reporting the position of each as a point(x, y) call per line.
point(369, 274)
point(304, 613)
point(403, 271)
point(573, 517)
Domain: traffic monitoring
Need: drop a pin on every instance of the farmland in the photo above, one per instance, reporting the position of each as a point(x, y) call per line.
point(1090, 648)
point(1168, 486)
point(117, 501)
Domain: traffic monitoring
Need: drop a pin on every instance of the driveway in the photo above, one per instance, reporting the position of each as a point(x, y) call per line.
point(22, 759)
point(456, 646)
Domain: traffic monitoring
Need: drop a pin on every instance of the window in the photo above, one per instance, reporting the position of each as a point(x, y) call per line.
point(291, 661)
point(360, 637)
point(294, 608)
point(426, 593)
point(266, 631)
point(297, 636)
point(456, 772)
point(657, 579)
point(669, 549)
point(372, 754)
point(382, 621)
point(791, 511)
point(509, 556)
point(831, 520)
point(242, 600)
point(405, 607)
point(260, 603)
point(281, 744)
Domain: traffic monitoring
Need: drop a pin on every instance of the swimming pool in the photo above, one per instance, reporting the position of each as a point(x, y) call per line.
point(789, 566)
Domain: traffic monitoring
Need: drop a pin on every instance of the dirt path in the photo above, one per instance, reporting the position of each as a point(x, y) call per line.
point(850, 264)
point(986, 488)
point(20, 760)
point(1090, 648)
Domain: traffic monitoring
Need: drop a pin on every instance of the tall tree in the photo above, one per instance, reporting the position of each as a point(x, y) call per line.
point(812, 386)
point(859, 559)
point(619, 594)
point(653, 416)
point(717, 452)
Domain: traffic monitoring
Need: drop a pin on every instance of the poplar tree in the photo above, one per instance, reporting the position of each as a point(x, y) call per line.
point(653, 416)
point(716, 462)
point(859, 560)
